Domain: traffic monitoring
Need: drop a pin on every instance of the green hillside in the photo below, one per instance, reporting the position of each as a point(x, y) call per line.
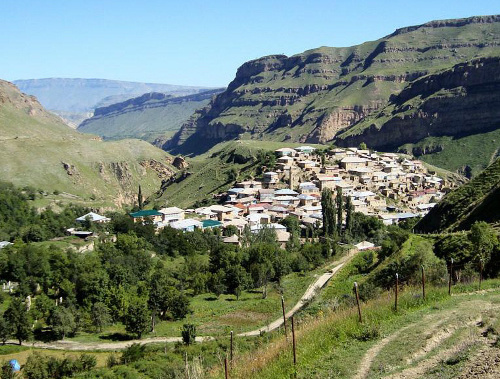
point(216, 170)
point(38, 150)
point(146, 117)
point(478, 200)
point(439, 79)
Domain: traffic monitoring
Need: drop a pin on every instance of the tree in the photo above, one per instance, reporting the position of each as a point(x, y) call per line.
point(340, 208)
point(5, 330)
point(62, 321)
point(17, 317)
point(236, 280)
point(484, 240)
point(188, 334)
point(139, 198)
point(362, 146)
point(100, 316)
point(349, 209)
point(137, 319)
point(328, 210)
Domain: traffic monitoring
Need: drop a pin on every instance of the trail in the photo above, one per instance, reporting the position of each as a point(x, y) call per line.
point(439, 327)
point(69, 345)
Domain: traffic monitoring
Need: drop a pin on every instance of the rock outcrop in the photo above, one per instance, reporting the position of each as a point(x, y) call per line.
point(321, 94)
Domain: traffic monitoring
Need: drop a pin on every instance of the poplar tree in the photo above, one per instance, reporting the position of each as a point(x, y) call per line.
point(348, 216)
point(340, 208)
point(328, 209)
point(139, 198)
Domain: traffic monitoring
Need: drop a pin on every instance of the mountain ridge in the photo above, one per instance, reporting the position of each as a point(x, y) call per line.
point(315, 96)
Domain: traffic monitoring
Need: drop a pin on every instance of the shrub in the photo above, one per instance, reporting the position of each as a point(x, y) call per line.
point(188, 334)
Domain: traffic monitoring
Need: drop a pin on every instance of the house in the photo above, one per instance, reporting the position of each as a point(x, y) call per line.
point(232, 240)
point(93, 217)
point(222, 212)
point(305, 149)
point(306, 164)
point(270, 179)
point(172, 214)
point(285, 192)
point(285, 152)
point(308, 188)
point(266, 194)
point(282, 236)
point(365, 245)
point(258, 218)
point(149, 214)
point(187, 225)
point(210, 224)
point(4, 244)
point(326, 181)
point(349, 163)
point(277, 227)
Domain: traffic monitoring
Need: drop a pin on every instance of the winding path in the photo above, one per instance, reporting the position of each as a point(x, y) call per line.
point(69, 345)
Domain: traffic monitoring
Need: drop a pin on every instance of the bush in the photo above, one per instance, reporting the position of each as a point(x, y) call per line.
point(188, 334)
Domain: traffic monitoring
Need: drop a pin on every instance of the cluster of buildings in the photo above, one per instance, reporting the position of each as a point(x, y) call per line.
point(383, 185)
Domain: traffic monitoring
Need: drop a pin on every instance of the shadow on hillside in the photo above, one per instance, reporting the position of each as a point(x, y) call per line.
point(45, 335)
point(116, 337)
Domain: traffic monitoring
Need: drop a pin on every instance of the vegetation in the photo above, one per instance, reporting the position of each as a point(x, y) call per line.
point(477, 200)
point(42, 152)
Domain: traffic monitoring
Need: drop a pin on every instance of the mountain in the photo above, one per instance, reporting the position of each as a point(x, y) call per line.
point(146, 117)
point(76, 99)
point(37, 149)
point(477, 200)
point(348, 95)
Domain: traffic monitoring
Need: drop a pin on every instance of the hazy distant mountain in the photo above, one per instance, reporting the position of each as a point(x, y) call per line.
point(73, 99)
point(146, 117)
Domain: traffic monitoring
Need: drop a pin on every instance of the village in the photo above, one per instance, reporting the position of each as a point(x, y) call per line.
point(384, 185)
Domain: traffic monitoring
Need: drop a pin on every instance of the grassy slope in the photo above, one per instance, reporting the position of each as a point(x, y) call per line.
point(33, 148)
point(334, 344)
point(210, 170)
point(331, 342)
point(147, 123)
point(476, 151)
point(458, 209)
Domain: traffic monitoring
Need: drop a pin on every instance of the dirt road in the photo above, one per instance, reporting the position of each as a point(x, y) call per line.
point(92, 346)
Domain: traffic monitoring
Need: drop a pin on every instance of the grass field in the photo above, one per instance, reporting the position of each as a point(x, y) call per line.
point(432, 338)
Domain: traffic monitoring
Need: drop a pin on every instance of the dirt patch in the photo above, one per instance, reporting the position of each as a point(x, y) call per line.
point(485, 364)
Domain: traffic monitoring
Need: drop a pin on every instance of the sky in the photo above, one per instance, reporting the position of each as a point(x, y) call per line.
point(193, 42)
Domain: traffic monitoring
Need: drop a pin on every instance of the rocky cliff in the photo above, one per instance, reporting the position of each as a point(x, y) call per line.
point(321, 94)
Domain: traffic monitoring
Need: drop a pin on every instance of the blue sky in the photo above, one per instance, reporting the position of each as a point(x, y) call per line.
point(192, 42)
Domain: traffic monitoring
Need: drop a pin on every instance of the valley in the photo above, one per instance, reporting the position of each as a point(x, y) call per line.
point(327, 214)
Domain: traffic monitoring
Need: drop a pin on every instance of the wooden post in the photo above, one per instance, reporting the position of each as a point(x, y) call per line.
point(186, 364)
point(357, 301)
point(451, 277)
point(226, 372)
point(284, 315)
point(231, 349)
point(480, 273)
point(396, 293)
point(293, 344)
point(423, 282)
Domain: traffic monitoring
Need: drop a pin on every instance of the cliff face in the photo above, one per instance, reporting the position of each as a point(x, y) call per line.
point(460, 101)
point(319, 95)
